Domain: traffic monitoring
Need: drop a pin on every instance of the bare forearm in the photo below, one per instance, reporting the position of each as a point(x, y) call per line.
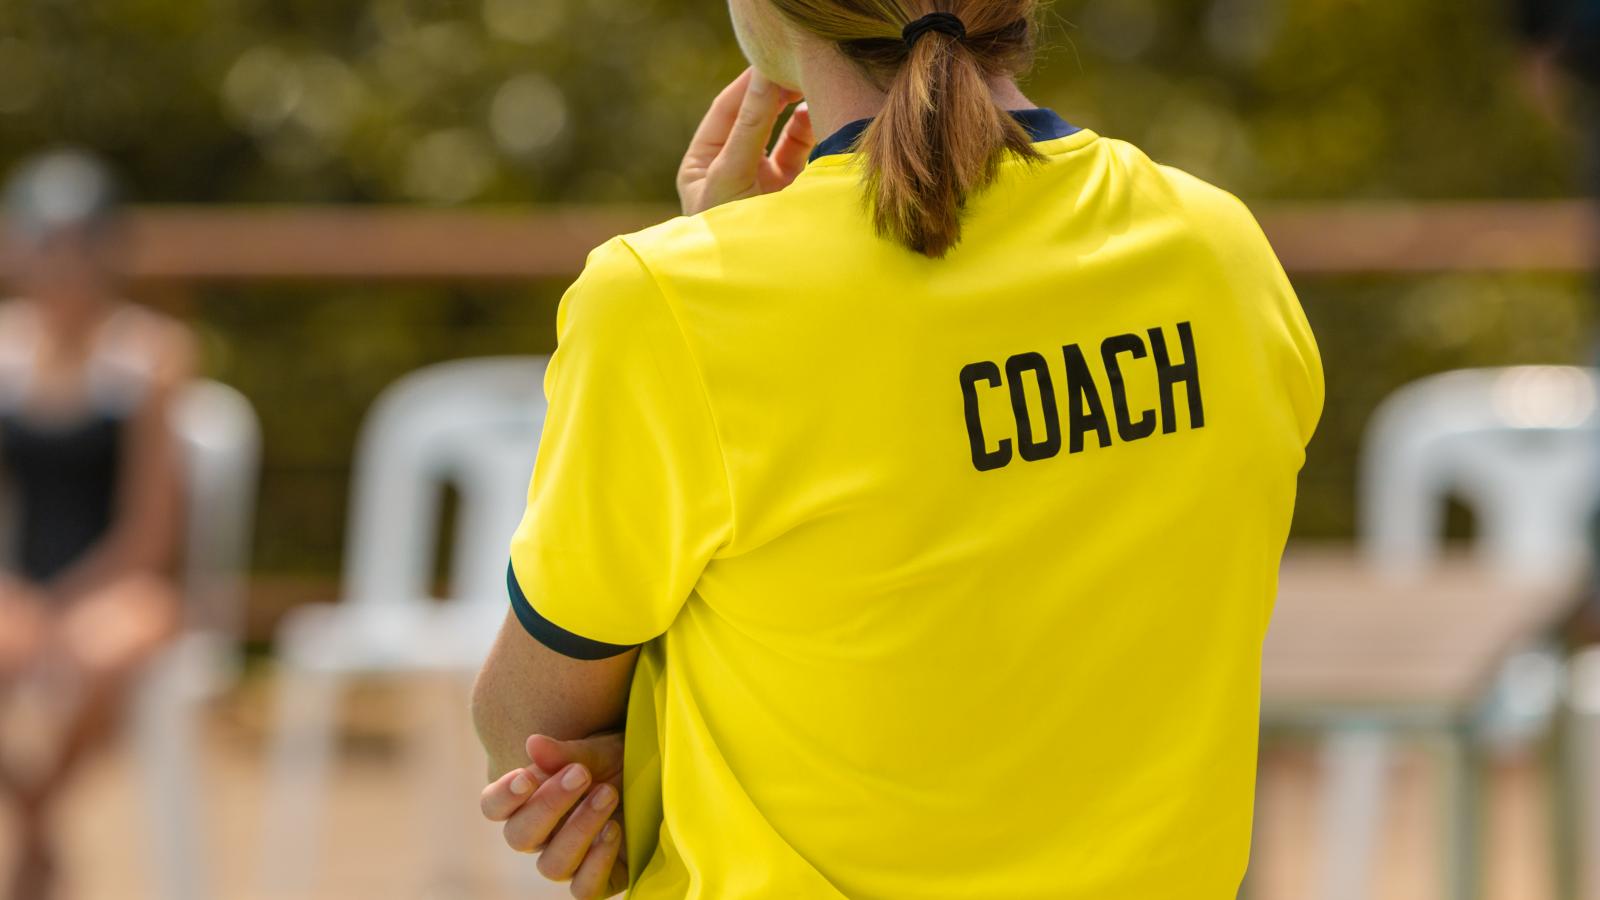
point(503, 728)
point(525, 689)
point(120, 554)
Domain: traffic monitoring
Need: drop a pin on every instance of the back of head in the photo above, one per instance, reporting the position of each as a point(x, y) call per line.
point(941, 136)
point(60, 192)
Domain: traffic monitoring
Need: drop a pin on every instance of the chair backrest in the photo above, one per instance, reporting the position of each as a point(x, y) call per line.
point(473, 424)
point(1519, 446)
point(221, 438)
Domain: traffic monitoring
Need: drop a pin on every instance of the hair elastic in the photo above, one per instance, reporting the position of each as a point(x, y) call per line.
point(942, 22)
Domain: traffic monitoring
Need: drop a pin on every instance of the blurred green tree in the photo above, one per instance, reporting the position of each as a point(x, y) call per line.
point(453, 101)
point(474, 101)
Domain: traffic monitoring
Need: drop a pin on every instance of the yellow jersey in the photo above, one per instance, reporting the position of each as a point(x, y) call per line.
point(951, 575)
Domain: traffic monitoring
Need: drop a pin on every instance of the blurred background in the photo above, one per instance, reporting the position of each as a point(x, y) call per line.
point(333, 196)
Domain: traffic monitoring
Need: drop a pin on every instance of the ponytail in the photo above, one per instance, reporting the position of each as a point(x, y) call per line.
point(940, 138)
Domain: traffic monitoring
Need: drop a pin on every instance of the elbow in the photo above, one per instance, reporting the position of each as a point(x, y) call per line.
point(485, 712)
point(500, 721)
point(488, 720)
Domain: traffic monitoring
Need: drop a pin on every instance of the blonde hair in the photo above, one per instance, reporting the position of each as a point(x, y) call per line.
point(940, 137)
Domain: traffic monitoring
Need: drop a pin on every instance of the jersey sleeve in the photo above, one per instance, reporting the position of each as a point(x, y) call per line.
point(1307, 389)
point(629, 498)
point(1257, 274)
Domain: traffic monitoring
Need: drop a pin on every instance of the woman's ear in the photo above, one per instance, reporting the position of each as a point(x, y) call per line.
point(770, 42)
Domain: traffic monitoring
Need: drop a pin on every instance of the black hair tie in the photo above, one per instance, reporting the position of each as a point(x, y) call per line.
point(942, 22)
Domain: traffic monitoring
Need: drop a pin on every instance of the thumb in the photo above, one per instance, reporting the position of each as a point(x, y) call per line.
point(600, 754)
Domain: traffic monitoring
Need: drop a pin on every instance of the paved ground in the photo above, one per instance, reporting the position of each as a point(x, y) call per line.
point(396, 827)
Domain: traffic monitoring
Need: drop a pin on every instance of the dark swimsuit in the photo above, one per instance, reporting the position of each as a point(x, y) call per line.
point(60, 475)
point(63, 478)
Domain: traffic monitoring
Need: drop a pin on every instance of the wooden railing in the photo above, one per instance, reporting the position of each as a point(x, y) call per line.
point(215, 243)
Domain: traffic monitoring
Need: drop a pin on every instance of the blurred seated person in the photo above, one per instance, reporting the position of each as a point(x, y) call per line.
point(1563, 36)
point(1561, 72)
point(90, 485)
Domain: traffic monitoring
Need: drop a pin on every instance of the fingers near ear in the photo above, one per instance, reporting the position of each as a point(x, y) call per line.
point(713, 130)
point(795, 144)
point(507, 794)
point(746, 145)
point(593, 878)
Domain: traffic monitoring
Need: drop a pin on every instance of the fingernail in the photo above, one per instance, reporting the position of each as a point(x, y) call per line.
point(758, 83)
point(604, 797)
point(575, 777)
point(521, 784)
point(609, 833)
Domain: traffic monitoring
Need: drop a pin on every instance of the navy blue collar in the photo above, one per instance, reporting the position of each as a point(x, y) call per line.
point(1042, 125)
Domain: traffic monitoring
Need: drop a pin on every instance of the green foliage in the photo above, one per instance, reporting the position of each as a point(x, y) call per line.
point(1334, 99)
point(1378, 334)
point(313, 360)
point(441, 101)
point(592, 100)
point(459, 101)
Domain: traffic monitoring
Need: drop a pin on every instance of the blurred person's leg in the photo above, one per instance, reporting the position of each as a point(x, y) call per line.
point(25, 637)
point(23, 625)
point(82, 670)
point(25, 632)
point(107, 637)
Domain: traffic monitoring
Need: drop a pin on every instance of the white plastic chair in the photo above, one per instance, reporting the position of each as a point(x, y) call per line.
point(1521, 447)
point(473, 424)
point(1514, 444)
point(222, 446)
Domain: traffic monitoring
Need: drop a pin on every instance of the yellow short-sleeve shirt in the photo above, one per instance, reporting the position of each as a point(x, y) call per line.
point(951, 575)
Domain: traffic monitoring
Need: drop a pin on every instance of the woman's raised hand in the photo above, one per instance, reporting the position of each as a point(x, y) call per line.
point(728, 158)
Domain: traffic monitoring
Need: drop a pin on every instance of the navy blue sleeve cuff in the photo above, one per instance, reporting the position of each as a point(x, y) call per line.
point(554, 636)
